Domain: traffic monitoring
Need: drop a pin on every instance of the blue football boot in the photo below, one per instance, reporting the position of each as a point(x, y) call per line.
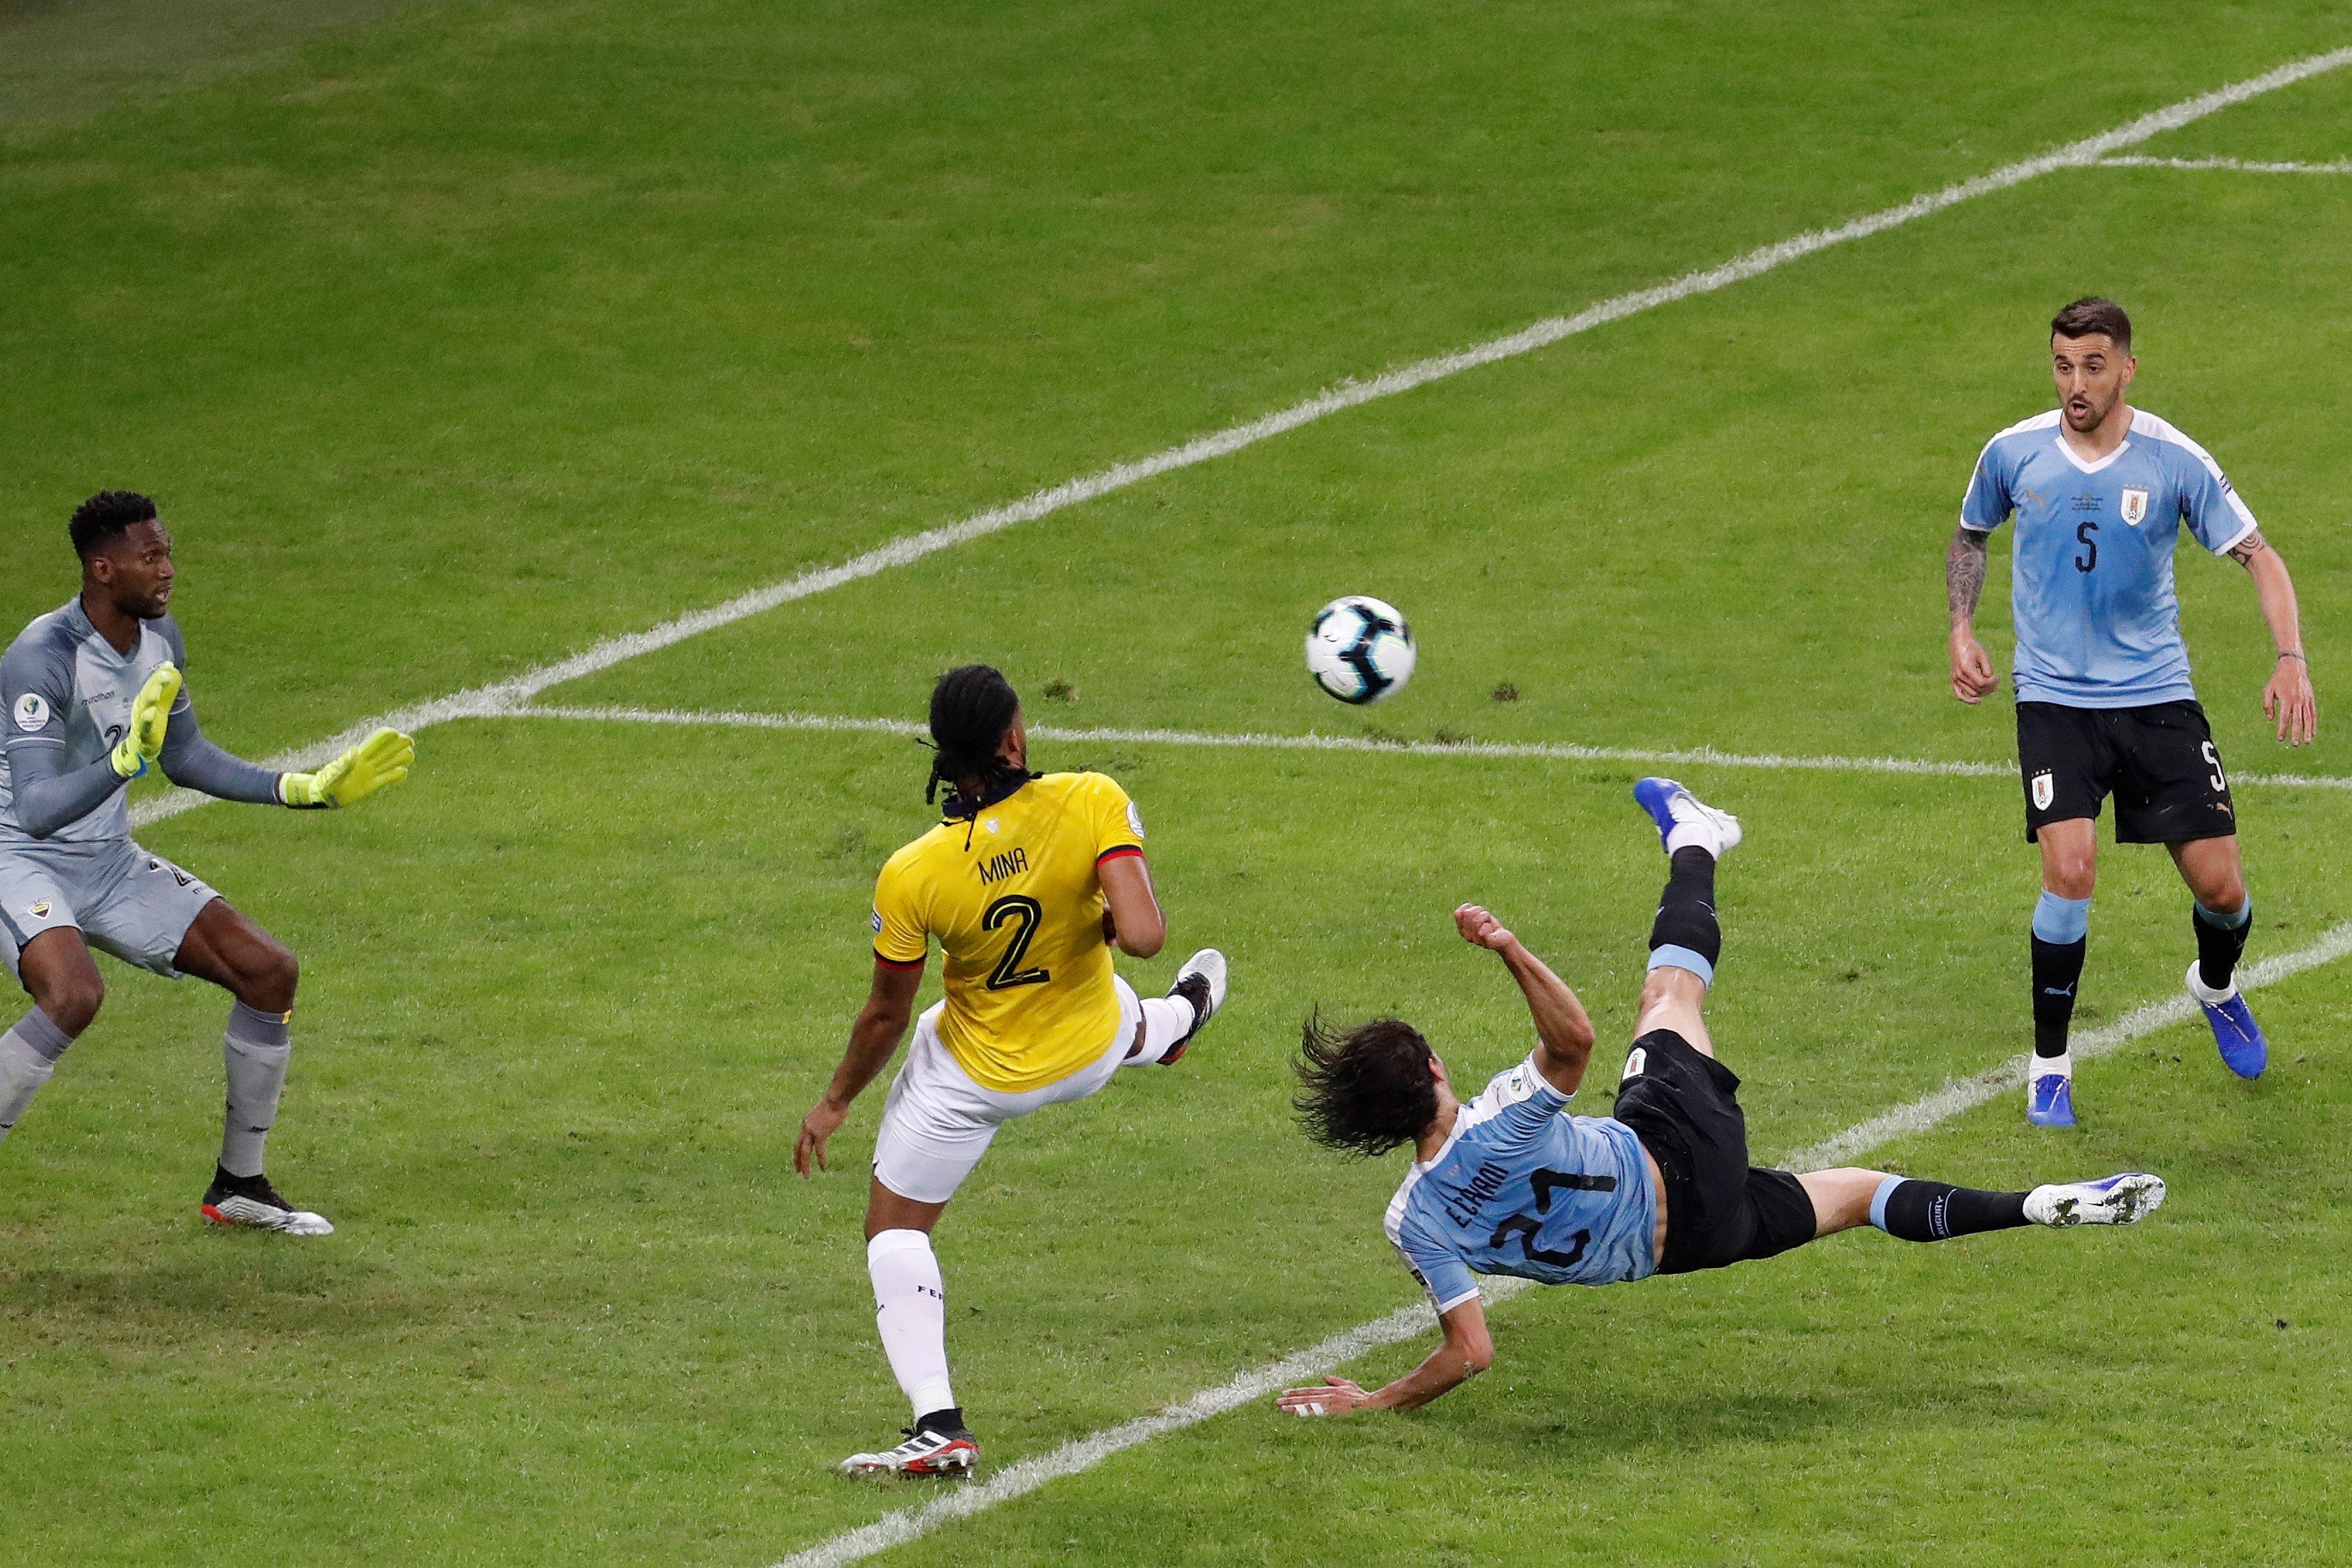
point(2243, 1049)
point(2050, 1100)
point(1684, 820)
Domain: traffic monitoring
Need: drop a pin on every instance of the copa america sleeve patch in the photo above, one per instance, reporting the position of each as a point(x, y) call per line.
point(877, 922)
point(33, 715)
point(1135, 819)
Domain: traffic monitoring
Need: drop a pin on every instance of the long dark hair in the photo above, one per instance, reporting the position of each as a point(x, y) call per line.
point(1366, 1090)
point(973, 709)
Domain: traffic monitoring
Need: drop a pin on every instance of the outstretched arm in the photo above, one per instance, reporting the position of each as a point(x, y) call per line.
point(1964, 575)
point(1564, 1033)
point(192, 761)
point(2287, 699)
point(1467, 1351)
point(881, 1024)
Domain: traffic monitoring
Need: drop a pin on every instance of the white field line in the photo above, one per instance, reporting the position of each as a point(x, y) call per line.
point(483, 702)
point(1082, 1454)
point(1552, 750)
point(1963, 1094)
point(2341, 166)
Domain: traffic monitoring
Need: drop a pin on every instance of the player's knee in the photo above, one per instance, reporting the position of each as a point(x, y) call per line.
point(2070, 873)
point(271, 980)
point(72, 1002)
point(2225, 894)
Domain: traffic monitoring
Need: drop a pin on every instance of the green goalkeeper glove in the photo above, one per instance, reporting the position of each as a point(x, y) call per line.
point(381, 759)
point(151, 715)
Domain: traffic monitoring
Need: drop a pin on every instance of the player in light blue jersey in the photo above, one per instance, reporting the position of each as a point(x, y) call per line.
point(2100, 492)
point(1510, 1183)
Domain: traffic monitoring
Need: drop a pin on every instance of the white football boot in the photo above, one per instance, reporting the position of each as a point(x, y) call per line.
point(2112, 1200)
point(1201, 982)
point(925, 1452)
point(1684, 820)
point(251, 1201)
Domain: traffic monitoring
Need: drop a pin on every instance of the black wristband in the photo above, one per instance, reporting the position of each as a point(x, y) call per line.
point(2296, 657)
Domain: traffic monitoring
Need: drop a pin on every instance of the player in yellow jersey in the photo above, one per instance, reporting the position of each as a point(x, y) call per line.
point(1026, 886)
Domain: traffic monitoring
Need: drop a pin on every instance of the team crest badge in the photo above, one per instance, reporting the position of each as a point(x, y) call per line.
point(2045, 790)
point(2134, 507)
point(1634, 1064)
point(39, 911)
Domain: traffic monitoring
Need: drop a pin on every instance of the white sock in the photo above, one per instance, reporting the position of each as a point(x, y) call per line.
point(1166, 1021)
point(2206, 994)
point(2062, 1064)
point(910, 1308)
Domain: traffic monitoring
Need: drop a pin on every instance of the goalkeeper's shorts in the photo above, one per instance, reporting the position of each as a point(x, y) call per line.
point(937, 1122)
point(124, 899)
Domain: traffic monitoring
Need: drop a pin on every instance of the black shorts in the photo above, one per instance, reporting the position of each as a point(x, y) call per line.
point(1683, 1105)
point(2158, 762)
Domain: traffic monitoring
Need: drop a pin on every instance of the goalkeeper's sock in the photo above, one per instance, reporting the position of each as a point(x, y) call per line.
point(255, 1050)
point(910, 1309)
point(28, 1055)
point(1937, 1211)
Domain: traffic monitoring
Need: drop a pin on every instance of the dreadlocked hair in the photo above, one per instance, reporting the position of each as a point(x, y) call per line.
point(972, 707)
point(1366, 1090)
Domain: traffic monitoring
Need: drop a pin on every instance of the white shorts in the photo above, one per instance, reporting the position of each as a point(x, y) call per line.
point(937, 1122)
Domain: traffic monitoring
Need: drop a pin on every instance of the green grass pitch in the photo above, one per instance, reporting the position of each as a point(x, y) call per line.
point(457, 334)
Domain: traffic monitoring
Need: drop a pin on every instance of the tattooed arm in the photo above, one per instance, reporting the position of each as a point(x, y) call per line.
point(1964, 575)
point(2287, 699)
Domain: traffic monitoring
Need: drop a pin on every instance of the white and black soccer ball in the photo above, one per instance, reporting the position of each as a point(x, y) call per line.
point(1359, 649)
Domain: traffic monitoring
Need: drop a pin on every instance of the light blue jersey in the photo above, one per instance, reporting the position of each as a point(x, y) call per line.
point(1520, 1188)
point(2091, 578)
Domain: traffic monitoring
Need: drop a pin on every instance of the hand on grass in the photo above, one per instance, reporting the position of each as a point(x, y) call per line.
point(1338, 1396)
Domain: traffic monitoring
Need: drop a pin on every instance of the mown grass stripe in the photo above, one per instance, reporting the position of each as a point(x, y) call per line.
point(499, 697)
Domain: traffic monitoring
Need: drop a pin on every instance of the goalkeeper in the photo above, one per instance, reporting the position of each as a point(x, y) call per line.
point(93, 699)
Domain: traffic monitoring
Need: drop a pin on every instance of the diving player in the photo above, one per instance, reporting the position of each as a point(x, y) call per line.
point(1509, 1185)
point(94, 698)
point(1026, 886)
point(2099, 490)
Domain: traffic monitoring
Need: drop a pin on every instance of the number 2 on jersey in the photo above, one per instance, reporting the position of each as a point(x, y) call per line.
point(1028, 912)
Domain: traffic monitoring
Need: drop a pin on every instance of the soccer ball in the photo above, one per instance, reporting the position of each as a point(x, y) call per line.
point(1359, 649)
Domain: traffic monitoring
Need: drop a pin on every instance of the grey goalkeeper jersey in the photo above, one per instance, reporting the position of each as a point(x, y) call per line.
point(67, 696)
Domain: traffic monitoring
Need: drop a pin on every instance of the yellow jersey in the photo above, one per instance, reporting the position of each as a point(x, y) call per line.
point(1016, 904)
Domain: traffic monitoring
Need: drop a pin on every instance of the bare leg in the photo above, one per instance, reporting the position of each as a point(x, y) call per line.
point(886, 1210)
point(1841, 1197)
point(1675, 999)
point(2070, 856)
point(2216, 876)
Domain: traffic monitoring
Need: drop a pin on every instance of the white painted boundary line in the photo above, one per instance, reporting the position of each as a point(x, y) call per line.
point(1550, 751)
point(1964, 1094)
point(2240, 165)
point(1082, 1454)
point(484, 701)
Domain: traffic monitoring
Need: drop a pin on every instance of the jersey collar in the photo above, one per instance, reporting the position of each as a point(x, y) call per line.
point(2067, 451)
